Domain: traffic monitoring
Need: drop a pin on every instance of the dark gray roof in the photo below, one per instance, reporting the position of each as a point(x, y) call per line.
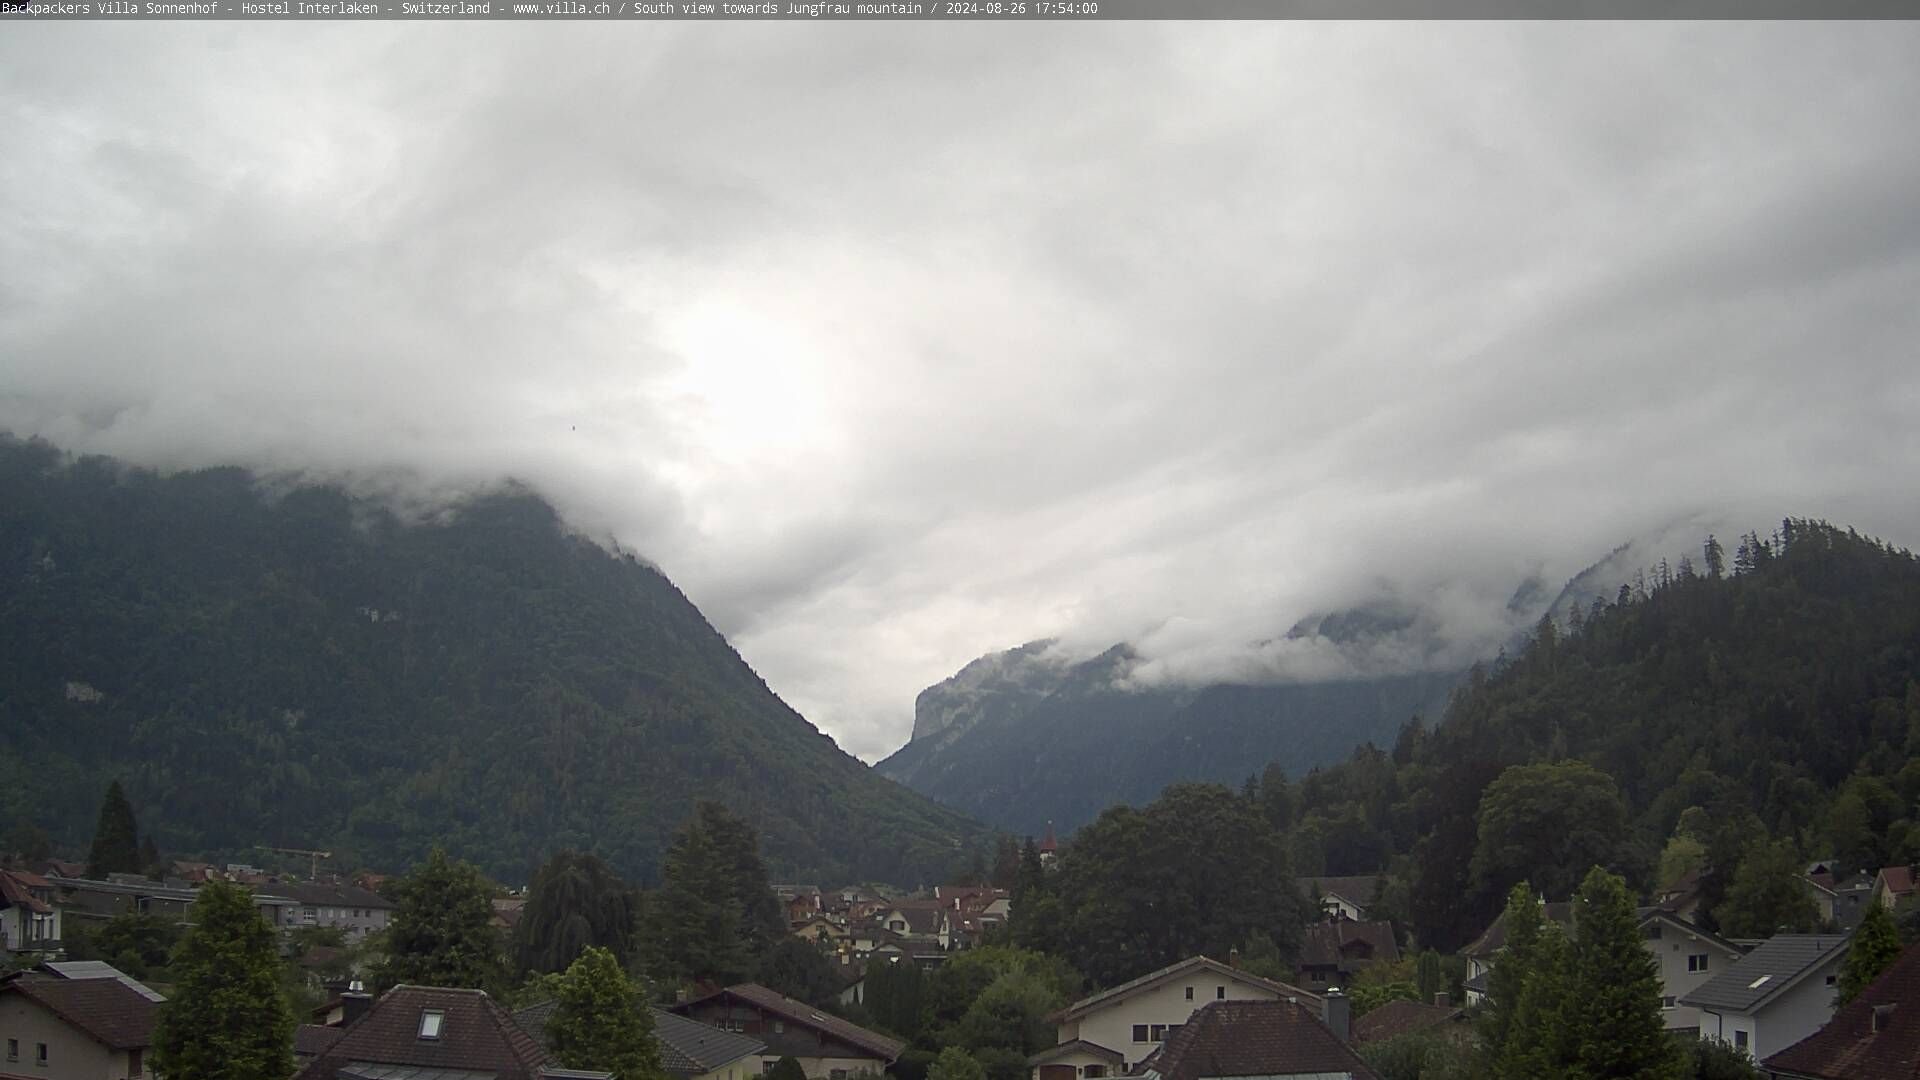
point(319, 895)
point(1754, 979)
point(689, 1047)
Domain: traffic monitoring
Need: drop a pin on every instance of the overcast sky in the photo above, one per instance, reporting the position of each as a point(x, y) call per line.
point(896, 344)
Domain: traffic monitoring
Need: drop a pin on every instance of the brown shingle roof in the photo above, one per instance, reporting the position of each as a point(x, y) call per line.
point(797, 1012)
point(1256, 1038)
point(312, 1040)
point(1849, 1048)
point(477, 1034)
point(15, 886)
point(106, 1009)
point(1338, 940)
point(1401, 1018)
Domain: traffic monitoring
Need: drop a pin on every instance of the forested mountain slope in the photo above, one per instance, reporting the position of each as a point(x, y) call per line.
point(305, 669)
point(1776, 690)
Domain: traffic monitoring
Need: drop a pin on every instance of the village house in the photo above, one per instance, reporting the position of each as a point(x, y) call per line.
point(826, 1046)
point(1332, 952)
point(689, 1050)
point(1397, 1018)
point(1688, 956)
point(1348, 897)
point(74, 1029)
point(1774, 996)
point(1109, 1032)
point(356, 912)
point(1876, 1036)
point(427, 1031)
point(29, 921)
point(919, 920)
point(1893, 886)
point(1270, 1040)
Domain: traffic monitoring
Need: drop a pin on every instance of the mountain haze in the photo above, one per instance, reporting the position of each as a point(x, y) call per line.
point(297, 666)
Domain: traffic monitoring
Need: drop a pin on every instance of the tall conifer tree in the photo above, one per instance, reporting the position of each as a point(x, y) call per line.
point(226, 1019)
point(116, 844)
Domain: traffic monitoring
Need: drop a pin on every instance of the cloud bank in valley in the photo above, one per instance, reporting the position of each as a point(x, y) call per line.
point(893, 348)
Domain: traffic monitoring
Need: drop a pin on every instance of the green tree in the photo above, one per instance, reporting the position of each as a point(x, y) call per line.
point(138, 944)
point(955, 1064)
point(574, 902)
point(226, 1019)
point(1612, 1014)
point(714, 914)
point(601, 1020)
point(1711, 1059)
point(1767, 894)
point(896, 996)
point(28, 841)
point(1547, 824)
point(1195, 871)
point(1513, 965)
point(1429, 978)
point(1011, 1014)
point(787, 1069)
point(441, 933)
point(1538, 1042)
point(1874, 948)
point(116, 844)
point(797, 968)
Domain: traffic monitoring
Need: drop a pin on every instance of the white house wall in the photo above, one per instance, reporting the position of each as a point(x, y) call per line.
point(1166, 1004)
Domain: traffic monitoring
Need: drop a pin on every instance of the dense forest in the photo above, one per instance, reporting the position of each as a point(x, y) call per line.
point(295, 666)
point(1740, 711)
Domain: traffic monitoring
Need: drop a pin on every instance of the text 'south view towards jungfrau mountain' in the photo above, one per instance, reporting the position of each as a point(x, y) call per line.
point(1067, 547)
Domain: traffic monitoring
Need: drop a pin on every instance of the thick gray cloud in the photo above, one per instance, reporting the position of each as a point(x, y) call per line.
point(897, 344)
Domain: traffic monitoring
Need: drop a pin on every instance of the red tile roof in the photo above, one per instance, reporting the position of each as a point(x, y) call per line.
point(15, 886)
point(1849, 1048)
point(798, 1012)
point(1256, 1038)
point(1899, 879)
point(476, 1034)
point(1339, 940)
point(108, 1010)
point(1401, 1018)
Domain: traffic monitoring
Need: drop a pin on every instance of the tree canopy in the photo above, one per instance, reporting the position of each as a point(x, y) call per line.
point(116, 844)
point(601, 1020)
point(574, 902)
point(442, 933)
point(226, 1019)
point(714, 914)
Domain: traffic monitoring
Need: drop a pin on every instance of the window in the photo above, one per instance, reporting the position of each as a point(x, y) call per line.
point(779, 1026)
point(1219, 993)
point(1667, 1002)
point(13, 1049)
point(766, 1066)
point(1831, 979)
point(1159, 1033)
point(1139, 1033)
point(1189, 993)
point(430, 1021)
point(135, 1066)
point(1739, 1039)
point(1697, 962)
point(1094, 1072)
point(1653, 932)
point(40, 1050)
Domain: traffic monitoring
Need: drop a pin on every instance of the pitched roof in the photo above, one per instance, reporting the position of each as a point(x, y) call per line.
point(1362, 889)
point(1075, 1046)
point(15, 891)
point(1401, 1018)
point(1688, 926)
point(1191, 965)
point(1899, 879)
point(106, 1009)
point(1494, 937)
point(475, 1035)
point(1849, 1048)
point(1754, 979)
point(1328, 942)
point(98, 969)
point(690, 1048)
point(1255, 1038)
point(312, 1040)
point(314, 894)
point(797, 1012)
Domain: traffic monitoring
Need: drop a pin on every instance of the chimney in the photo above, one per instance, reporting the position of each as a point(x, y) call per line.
point(1882, 1016)
point(1442, 1000)
point(679, 997)
point(1233, 959)
point(1339, 1014)
point(353, 1006)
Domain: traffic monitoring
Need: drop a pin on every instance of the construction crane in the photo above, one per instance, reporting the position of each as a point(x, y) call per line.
point(314, 857)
